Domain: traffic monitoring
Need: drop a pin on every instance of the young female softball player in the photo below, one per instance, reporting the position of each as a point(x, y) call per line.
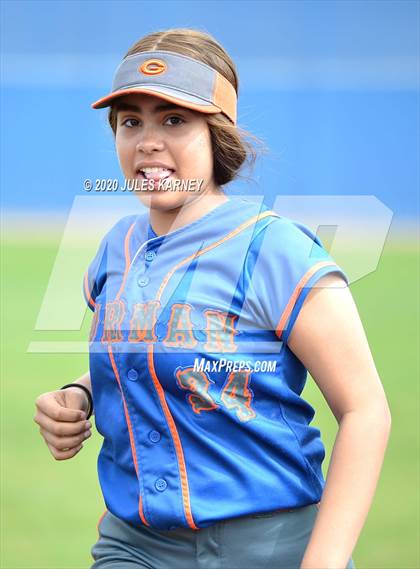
point(208, 312)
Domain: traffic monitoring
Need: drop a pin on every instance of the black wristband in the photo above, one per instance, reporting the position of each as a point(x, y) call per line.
point(86, 390)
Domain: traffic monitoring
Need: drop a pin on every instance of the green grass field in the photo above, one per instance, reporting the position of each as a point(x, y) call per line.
point(50, 508)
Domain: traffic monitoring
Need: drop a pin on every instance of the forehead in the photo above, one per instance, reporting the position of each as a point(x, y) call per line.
point(146, 103)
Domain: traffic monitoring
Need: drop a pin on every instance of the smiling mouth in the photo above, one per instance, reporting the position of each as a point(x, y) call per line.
point(155, 174)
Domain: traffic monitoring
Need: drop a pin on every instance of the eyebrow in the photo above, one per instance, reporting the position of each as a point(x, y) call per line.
point(136, 109)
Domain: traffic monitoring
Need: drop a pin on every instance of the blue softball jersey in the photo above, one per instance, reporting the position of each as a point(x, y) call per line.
point(196, 392)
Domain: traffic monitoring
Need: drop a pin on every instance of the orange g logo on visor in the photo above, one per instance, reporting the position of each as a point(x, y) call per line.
point(153, 67)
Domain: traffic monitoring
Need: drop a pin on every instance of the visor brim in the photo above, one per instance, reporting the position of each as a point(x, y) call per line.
point(193, 103)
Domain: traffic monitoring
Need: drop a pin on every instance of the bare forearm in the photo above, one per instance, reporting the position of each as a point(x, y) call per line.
point(351, 481)
point(85, 381)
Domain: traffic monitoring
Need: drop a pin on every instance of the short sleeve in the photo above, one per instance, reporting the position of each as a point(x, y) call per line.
point(285, 261)
point(110, 254)
point(95, 276)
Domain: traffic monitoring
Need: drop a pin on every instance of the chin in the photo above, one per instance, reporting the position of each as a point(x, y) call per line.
point(162, 201)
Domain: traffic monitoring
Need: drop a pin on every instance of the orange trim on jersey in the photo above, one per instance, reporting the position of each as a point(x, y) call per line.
point(158, 387)
point(99, 521)
point(156, 383)
point(127, 258)
point(114, 367)
point(176, 439)
point(130, 430)
point(289, 307)
point(127, 266)
point(233, 233)
point(95, 323)
point(87, 292)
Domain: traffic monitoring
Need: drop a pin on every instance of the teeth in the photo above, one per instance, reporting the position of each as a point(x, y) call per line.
point(154, 169)
point(156, 173)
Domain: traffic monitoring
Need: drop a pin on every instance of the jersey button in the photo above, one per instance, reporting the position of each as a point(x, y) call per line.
point(132, 375)
point(150, 255)
point(143, 281)
point(161, 484)
point(154, 436)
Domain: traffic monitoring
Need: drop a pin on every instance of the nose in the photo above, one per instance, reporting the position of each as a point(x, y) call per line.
point(149, 140)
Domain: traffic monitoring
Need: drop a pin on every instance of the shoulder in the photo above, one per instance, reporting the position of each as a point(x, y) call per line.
point(291, 228)
point(120, 229)
point(273, 223)
point(123, 225)
point(284, 236)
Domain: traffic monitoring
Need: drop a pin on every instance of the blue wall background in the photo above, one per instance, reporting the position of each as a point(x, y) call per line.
point(331, 86)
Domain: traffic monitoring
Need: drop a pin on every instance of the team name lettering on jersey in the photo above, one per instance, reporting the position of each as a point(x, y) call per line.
point(142, 323)
point(180, 334)
point(114, 316)
point(219, 329)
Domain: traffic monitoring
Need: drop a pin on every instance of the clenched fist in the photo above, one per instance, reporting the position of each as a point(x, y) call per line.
point(61, 416)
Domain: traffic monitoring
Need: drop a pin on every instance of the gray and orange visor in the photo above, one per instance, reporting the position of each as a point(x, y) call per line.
point(177, 78)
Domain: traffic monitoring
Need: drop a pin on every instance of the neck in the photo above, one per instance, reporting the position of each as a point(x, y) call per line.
point(165, 221)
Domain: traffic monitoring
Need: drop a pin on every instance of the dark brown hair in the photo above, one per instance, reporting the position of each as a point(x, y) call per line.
point(232, 147)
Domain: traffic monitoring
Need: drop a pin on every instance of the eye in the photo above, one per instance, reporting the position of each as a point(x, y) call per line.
point(127, 122)
point(172, 117)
